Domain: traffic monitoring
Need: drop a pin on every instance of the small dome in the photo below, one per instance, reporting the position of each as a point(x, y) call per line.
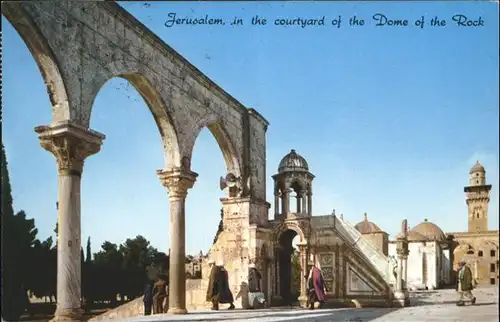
point(413, 236)
point(431, 231)
point(293, 162)
point(367, 227)
point(477, 168)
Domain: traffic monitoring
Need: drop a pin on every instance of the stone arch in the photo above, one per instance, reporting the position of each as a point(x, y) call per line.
point(215, 125)
point(44, 58)
point(463, 247)
point(283, 227)
point(153, 99)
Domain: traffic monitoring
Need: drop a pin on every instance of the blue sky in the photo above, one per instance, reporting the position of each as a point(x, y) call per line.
point(389, 119)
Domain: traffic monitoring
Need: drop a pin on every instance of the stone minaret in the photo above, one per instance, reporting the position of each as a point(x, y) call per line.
point(477, 199)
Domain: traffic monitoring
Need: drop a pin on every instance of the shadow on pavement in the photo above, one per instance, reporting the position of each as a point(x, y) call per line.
point(344, 315)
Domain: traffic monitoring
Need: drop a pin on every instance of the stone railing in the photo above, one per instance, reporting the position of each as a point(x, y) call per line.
point(381, 262)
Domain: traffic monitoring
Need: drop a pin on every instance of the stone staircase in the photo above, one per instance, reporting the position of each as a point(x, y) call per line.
point(381, 262)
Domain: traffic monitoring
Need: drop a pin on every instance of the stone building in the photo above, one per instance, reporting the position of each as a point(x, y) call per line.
point(372, 232)
point(434, 254)
point(478, 246)
point(429, 261)
point(354, 268)
point(193, 267)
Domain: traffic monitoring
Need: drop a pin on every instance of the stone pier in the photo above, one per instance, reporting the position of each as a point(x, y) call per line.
point(70, 144)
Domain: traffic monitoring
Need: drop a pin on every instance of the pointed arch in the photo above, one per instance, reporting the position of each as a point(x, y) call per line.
point(215, 125)
point(44, 58)
point(153, 99)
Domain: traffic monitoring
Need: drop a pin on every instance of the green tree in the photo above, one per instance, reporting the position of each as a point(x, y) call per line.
point(19, 237)
point(7, 203)
point(89, 252)
point(107, 273)
point(41, 282)
point(137, 254)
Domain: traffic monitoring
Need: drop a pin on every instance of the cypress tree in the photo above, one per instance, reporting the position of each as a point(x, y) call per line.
point(7, 207)
point(89, 253)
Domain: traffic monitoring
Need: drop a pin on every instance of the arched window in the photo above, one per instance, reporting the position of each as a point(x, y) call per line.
point(493, 253)
point(480, 253)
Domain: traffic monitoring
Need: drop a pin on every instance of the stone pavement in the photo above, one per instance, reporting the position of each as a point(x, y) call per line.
point(437, 305)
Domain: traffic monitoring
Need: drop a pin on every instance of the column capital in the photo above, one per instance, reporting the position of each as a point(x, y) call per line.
point(177, 181)
point(70, 143)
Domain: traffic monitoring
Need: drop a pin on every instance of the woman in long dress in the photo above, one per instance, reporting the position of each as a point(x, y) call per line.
point(316, 286)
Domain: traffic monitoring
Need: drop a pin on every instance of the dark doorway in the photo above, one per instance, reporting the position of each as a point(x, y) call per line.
point(286, 251)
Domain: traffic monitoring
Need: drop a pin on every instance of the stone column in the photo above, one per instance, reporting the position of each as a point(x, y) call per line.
point(401, 295)
point(177, 181)
point(299, 202)
point(303, 203)
point(309, 202)
point(285, 202)
point(70, 144)
point(303, 281)
point(276, 204)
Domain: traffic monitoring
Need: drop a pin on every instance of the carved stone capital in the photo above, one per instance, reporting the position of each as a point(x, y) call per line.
point(177, 181)
point(402, 253)
point(71, 144)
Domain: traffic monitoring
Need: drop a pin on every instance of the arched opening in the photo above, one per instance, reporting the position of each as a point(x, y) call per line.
point(203, 208)
point(288, 267)
point(43, 56)
point(124, 204)
point(29, 73)
point(297, 199)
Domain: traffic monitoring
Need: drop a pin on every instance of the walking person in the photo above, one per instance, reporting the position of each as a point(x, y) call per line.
point(316, 286)
point(152, 274)
point(465, 284)
point(213, 289)
point(159, 294)
point(226, 296)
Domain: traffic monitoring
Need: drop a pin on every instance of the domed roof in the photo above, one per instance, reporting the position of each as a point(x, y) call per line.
point(367, 227)
point(477, 168)
point(431, 231)
point(413, 236)
point(293, 162)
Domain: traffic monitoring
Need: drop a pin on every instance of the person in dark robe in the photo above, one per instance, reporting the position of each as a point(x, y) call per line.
point(316, 286)
point(148, 298)
point(152, 275)
point(465, 284)
point(226, 296)
point(159, 294)
point(213, 289)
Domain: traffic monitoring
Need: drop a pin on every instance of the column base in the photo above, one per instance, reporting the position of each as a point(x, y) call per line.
point(401, 298)
point(303, 301)
point(176, 311)
point(67, 315)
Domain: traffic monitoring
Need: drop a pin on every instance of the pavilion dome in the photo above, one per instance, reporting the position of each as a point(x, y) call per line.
point(293, 162)
point(367, 227)
point(478, 167)
point(413, 236)
point(430, 230)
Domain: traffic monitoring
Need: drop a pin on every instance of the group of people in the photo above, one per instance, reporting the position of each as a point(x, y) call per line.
point(219, 292)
